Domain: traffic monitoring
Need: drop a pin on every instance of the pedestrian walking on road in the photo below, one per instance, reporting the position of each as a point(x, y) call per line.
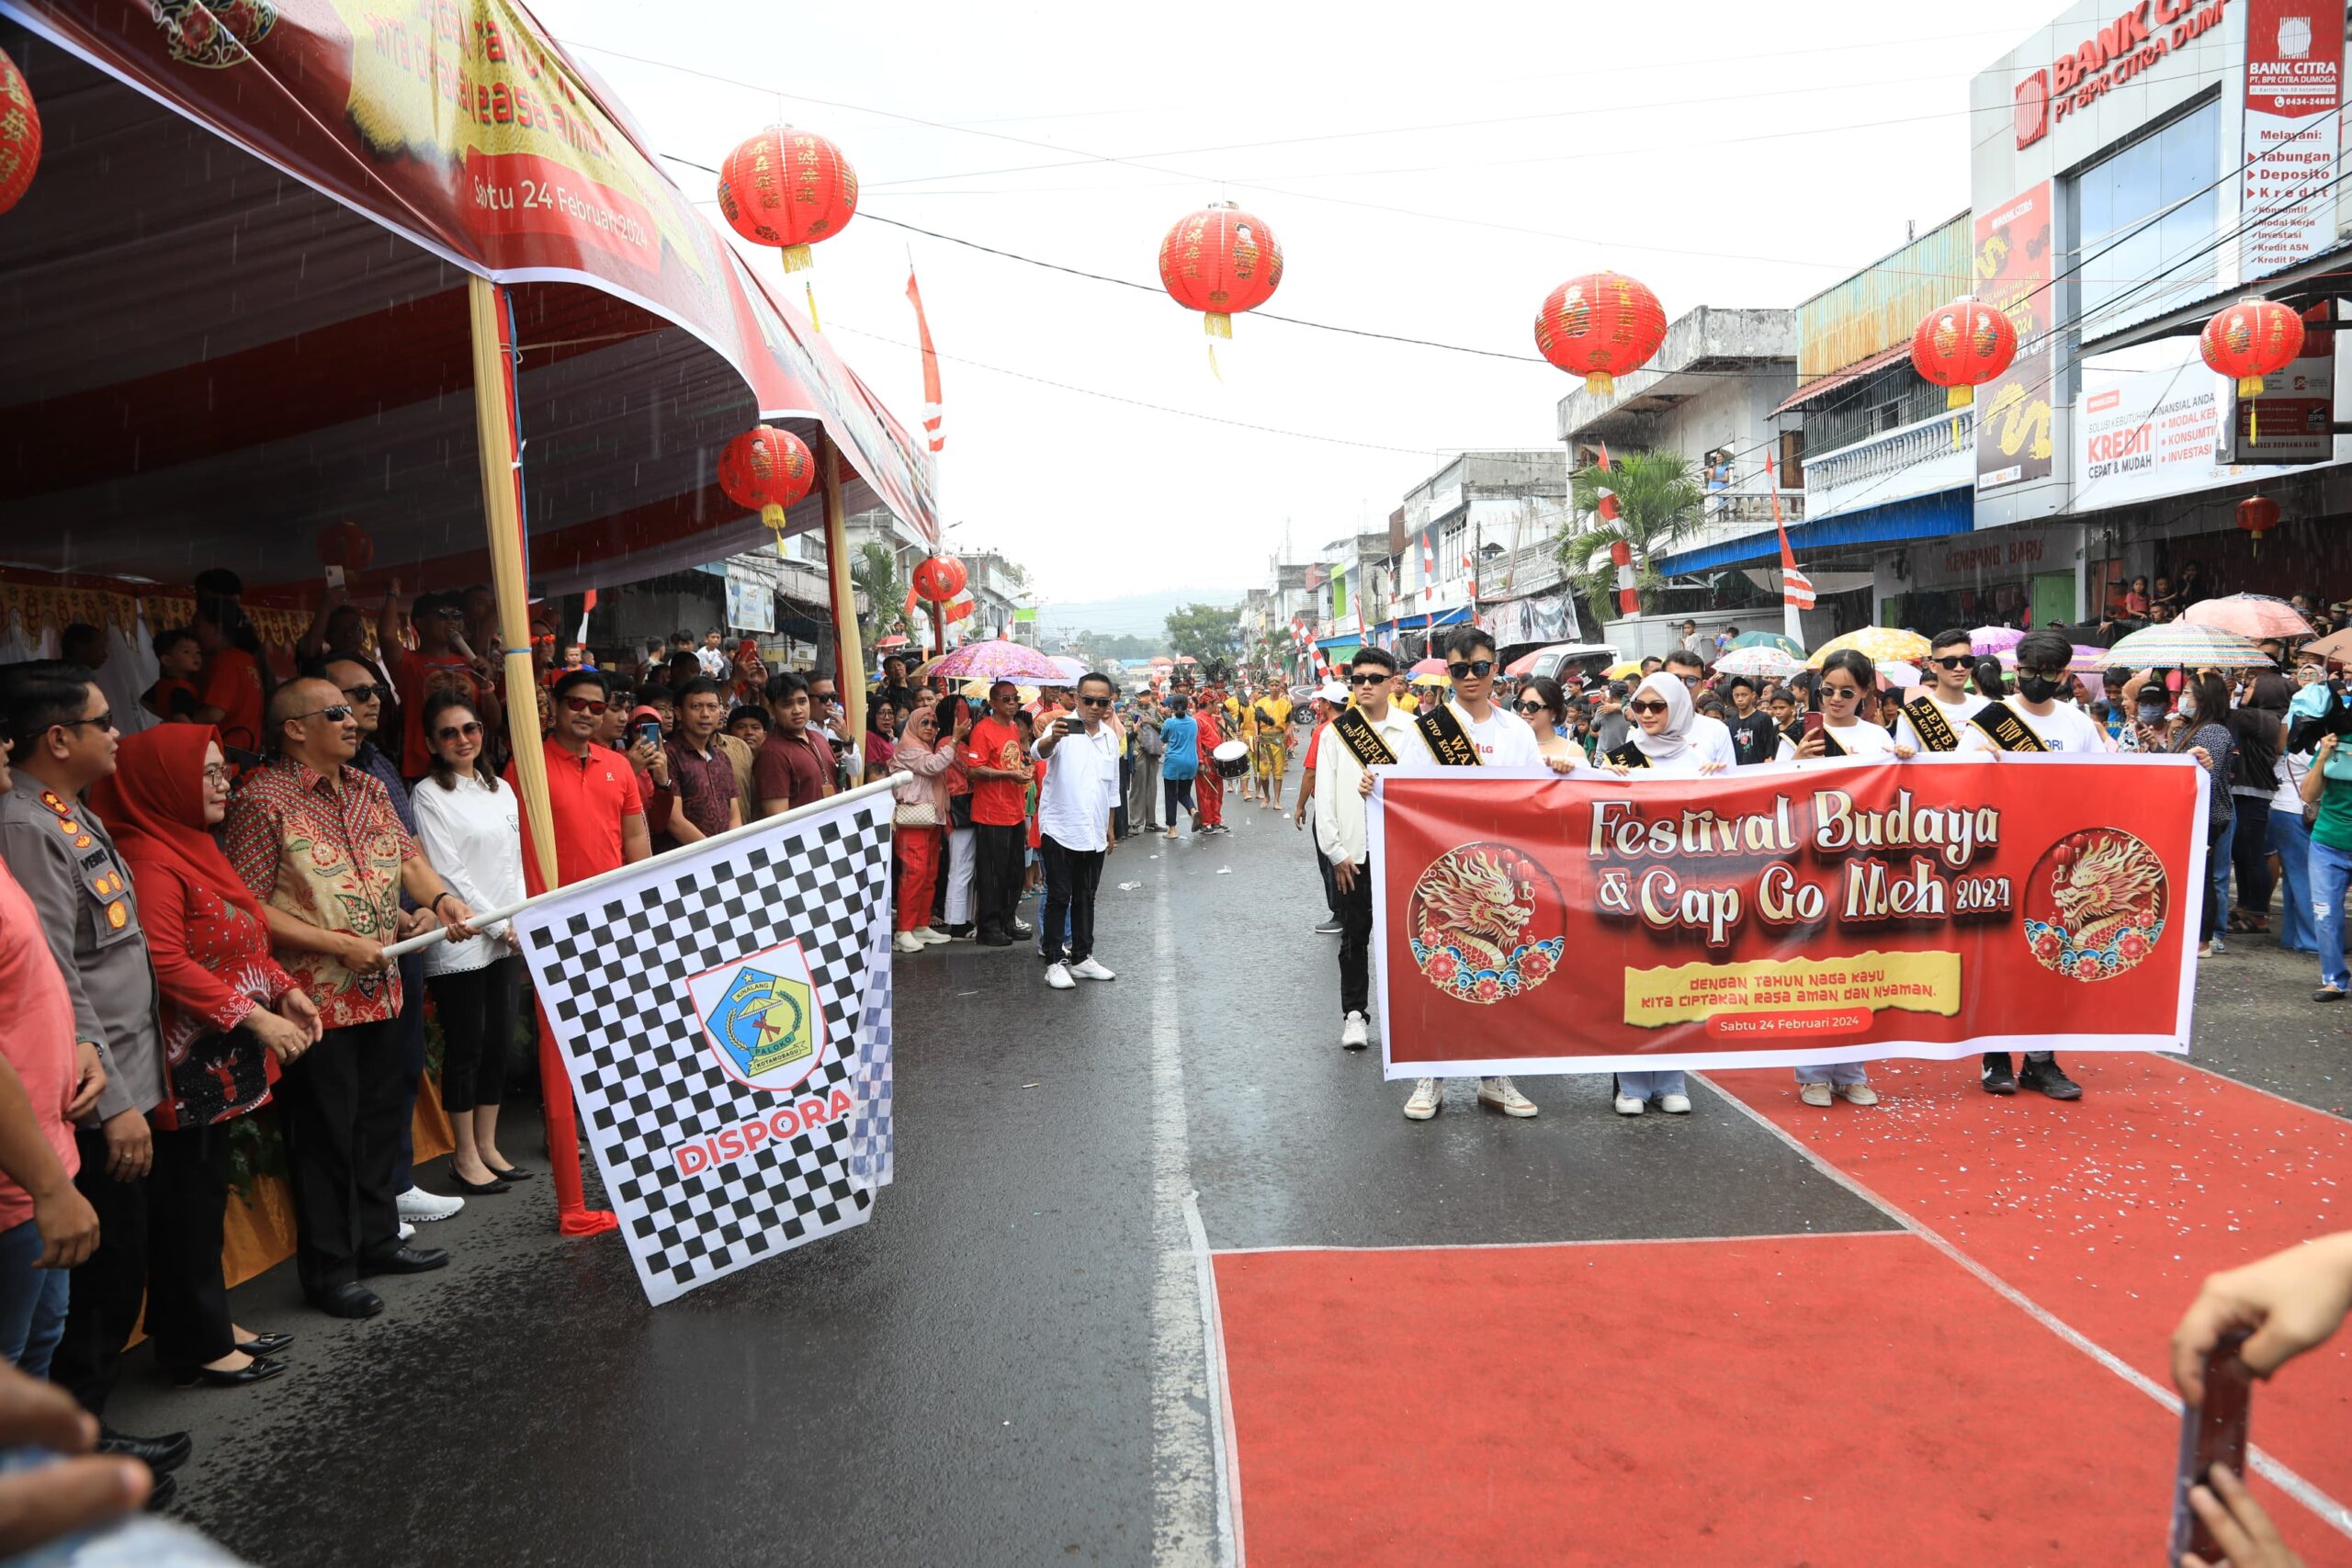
point(1329, 704)
point(1180, 761)
point(956, 894)
point(1208, 784)
point(1074, 805)
point(1143, 810)
point(1370, 733)
point(919, 816)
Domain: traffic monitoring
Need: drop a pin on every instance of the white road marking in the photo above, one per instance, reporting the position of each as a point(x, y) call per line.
point(1593, 1241)
point(2334, 1513)
point(1194, 1519)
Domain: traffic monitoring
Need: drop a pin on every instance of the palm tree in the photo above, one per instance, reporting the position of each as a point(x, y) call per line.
point(876, 572)
point(1658, 498)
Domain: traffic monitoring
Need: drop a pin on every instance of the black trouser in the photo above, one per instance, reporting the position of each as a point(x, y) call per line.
point(1000, 856)
point(1330, 883)
point(188, 1300)
point(1072, 878)
point(108, 1285)
point(343, 1109)
point(1179, 793)
point(2250, 853)
point(412, 1032)
point(1356, 943)
point(476, 1008)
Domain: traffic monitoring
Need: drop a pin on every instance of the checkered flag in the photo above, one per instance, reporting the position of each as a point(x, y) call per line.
point(725, 1014)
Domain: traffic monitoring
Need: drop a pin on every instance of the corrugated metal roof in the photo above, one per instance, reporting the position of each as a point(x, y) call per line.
point(1831, 383)
point(1881, 306)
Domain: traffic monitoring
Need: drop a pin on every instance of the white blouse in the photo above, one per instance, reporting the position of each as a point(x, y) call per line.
point(473, 836)
point(1859, 739)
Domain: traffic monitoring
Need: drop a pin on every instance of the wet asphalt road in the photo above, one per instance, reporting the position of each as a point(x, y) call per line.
point(1005, 1365)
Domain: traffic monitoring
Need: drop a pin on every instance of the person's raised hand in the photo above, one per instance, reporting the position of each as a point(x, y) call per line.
point(2289, 1302)
point(2241, 1528)
point(76, 1493)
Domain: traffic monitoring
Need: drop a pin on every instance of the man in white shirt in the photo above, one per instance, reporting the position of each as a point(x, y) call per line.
point(2034, 720)
point(1943, 723)
point(1504, 740)
point(1385, 733)
point(710, 658)
point(1710, 737)
point(1074, 805)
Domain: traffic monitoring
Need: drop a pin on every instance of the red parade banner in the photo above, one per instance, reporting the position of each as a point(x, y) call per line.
point(1794, 914)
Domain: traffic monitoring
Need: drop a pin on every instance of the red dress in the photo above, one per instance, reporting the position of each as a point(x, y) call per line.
point(1210, 790)
point(213, 966)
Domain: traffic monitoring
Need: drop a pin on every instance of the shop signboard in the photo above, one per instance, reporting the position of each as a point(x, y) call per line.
point(2294, 419)
point(2294, 95)
point(2154, 422)
point(751, 601)
point(2013, 273)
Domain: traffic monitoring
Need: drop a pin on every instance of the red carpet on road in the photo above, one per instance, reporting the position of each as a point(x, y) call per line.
point(2111, 1211)
point(1823, 1399)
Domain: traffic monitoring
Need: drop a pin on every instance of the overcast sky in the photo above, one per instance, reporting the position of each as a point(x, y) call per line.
point(1726, 154)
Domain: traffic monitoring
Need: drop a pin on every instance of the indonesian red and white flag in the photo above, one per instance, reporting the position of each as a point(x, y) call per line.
point(1429, 567)
point(1606, 498)
point(1796, 588)
point(932, 412)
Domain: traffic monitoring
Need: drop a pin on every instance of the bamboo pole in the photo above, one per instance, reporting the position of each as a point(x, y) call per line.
point(502, 496)
point(849, 645)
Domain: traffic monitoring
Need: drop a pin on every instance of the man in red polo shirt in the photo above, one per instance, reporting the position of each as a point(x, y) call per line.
point(597, 822)
point(998, 765)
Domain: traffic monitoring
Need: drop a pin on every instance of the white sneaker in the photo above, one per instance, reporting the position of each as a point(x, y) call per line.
point(1674, 1104)
point(1057, 976)
point(1857, 1093)
point(423, 1207)
point(907, 941)
point(408, 1232)
point(1091, 968)
point(1629, 1104)
point(1356, 1033)
point(1817, 1094)
point(1504, 1097)
point(931, 936)
point(1424, 1100)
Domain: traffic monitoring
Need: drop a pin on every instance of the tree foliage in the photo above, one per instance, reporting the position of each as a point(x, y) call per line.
point(1658, 499)
point(876, 572)
point(1207, 632)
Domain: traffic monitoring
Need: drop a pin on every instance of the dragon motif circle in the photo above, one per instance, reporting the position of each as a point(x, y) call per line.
point(1485, 923)
point(2096, 905)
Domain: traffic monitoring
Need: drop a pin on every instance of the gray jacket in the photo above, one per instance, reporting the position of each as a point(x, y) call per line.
point(65, 861)
point(1148, 742)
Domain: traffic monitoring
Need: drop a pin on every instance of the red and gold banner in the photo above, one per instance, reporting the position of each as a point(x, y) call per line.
point(1786, 914)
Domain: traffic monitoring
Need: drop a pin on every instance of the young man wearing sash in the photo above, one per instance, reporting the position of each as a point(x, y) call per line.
point(1936, 715)
point(1370, 734)
point(2034, 721)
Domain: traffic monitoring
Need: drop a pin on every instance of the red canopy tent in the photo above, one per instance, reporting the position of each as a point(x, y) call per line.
point(292, 262)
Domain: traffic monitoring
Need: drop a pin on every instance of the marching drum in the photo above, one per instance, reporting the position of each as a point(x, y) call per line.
point(1232, 759)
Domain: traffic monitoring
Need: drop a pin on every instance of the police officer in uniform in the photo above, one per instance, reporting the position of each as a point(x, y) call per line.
point(62, 740)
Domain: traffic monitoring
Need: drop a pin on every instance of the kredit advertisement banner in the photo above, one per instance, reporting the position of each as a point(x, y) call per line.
point(2154, 422)
point(1791, 914)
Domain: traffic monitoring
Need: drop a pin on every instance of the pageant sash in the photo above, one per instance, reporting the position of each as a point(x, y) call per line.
point(2009, 732)
point(1362, 741)
point(1927, 716)
point(1443, 735)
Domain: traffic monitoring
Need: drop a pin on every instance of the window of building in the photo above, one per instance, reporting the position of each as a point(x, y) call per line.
point(2144, 221)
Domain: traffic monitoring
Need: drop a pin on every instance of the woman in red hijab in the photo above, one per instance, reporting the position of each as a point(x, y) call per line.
point(231, 1016)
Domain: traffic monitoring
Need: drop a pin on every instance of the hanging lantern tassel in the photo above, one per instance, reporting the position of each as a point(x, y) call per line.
point(797, 259)
point(1959, 397)
point(775, 517)
point(2249, 389)
point(1600, 384)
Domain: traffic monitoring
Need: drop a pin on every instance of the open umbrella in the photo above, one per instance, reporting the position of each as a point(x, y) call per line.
point(1525, 663)
point(896, 639)
point(1624, 670)
point(1162, 661)
point(2087, 660)
point(2252, 615)
point(1760, 662)
point(1428, 667)
point(998, 659)
point(2186, 645)
point(2336, 645)
point(1899, 674)
point(1882, 645)
point(1767, 639)
point(1072, 669)
point(1988, 642)
point(1431, 681)
point(1186, 659)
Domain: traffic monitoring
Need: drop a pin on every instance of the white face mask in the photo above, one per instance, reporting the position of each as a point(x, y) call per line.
point(2189, 707)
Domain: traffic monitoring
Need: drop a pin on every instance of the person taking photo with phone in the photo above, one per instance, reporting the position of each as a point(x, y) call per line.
point(1075, 802)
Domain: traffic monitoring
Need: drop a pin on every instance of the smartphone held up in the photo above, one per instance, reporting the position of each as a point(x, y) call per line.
point(2211, 1433)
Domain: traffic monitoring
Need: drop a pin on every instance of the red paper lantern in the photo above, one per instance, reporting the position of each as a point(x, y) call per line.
point(768, 470)
point(346, 544)
point(1962, 345)
point(790, 188)
point(1220, 261)
point(939, 578)
point(2252, 339)
point(1600, 326)
point(2257, 515)
point(20, 134)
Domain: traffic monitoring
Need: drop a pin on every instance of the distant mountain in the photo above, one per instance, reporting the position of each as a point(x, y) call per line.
point(1135, 614)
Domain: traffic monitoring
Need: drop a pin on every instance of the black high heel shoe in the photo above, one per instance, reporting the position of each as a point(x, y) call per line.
point(265, 1344)
point(512, 1173)
point(476, 1189)
point(259, 1369)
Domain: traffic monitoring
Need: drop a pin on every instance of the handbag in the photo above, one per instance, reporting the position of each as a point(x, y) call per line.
point(920, 814)
point(959, 810)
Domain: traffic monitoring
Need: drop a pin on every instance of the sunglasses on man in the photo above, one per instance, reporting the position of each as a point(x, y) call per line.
point(364, 693)
point(586, 706)
point(1371, 678)
point(334, 713)
point(1465, 669)
point(1953, 660)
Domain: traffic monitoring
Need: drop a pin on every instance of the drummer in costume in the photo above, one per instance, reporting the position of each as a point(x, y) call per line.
point(1208, 811)
point(1660, 747)
point(2035, 720)
point(1844, 676)
point(1935, 716)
